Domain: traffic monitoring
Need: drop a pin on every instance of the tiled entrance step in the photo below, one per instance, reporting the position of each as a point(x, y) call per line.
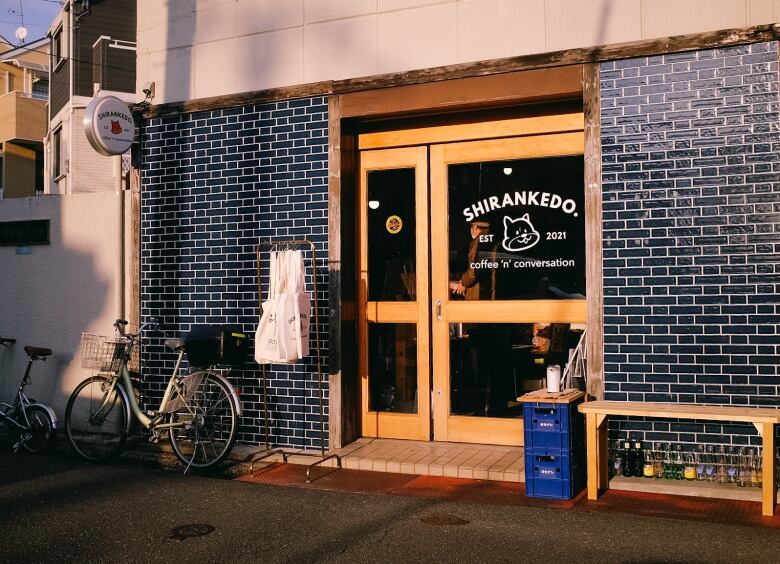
point(455, 460)
point(422, 458)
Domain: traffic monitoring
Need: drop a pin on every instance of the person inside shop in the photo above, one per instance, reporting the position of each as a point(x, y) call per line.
point(482, 368)
point(477, 284)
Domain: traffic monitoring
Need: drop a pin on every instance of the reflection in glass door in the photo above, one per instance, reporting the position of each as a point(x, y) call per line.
point(393, 294)
point(507, 277)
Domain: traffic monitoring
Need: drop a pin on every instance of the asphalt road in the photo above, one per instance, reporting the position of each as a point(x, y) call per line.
point(54, 508)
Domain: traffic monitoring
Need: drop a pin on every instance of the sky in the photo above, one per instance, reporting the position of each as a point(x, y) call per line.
point(37, 15)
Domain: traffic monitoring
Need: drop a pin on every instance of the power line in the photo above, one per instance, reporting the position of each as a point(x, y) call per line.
point(94, 64)
point(28, 25)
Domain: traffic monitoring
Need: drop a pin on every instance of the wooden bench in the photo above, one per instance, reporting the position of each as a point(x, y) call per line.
point(598, 412)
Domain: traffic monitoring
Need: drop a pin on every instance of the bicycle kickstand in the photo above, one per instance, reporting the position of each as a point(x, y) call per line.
point(18, 445)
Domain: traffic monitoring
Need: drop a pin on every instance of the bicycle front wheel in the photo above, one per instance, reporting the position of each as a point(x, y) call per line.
point(97, 419)
point(41, 430)
point(206, 422)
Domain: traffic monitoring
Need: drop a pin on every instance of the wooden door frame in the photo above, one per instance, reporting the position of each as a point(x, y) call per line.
point(347, 112)
point(460, 428)
point(381, 423)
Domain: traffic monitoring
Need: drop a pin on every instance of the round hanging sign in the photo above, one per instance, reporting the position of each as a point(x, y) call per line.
point(109, 125)
point(394, 224)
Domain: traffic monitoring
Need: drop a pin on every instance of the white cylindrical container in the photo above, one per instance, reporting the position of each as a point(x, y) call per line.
point(553, 378)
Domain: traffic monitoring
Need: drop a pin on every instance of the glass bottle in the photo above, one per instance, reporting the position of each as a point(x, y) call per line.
point(658, 462)
point(700, 461)
point(679, 465)
point(709, 464)
point(743, 478)
point(668, 463)
point(648, 469)
point(611, 453)
point(628, 458)
point(720, 467)
point(777, 465)
point(755, 472)
point(733, 465)
point(689, 472)
point(639, 457)
point(619, 457)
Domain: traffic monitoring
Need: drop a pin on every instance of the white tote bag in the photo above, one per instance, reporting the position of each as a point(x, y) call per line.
point(283, 333)
point(266, 337)
point(293, 310)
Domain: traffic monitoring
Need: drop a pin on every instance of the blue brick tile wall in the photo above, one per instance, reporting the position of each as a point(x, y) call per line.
point(691, 226)
point(215, 184)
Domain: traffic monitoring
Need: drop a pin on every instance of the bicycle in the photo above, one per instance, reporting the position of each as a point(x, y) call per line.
point(34, 423)
point(199, 411)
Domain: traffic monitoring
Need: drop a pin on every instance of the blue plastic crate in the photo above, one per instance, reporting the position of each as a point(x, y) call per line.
point(554, 474)
point(553, 425)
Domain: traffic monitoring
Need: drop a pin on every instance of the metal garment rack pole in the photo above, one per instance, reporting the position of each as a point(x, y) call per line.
point(289, 244)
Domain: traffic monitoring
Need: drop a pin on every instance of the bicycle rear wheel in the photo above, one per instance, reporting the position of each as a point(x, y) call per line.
point(208, 422)
point(97, 419)
point(41, 429)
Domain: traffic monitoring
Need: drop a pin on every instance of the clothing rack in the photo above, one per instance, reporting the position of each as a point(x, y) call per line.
point(286, 245)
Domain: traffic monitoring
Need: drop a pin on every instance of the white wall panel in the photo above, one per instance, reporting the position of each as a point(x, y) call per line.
point(763, 11)
point(491, 29)
point(419, 38)
point(269, 60)
point(580, 23)
point(340, 49)
point(672, 17)
point(390, 5)
point(257, 16)
point(215, 21)
point(172, 72)
point(178, 24)
point(215, 71)
point(326, 10)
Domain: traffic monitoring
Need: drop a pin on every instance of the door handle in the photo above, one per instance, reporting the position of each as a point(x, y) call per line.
point(438, 310)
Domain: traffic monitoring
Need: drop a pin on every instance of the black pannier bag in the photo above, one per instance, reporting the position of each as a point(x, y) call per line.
point(209, 345)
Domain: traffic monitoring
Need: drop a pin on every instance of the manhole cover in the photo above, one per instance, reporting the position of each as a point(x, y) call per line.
point(184, 532)
point(443, 519)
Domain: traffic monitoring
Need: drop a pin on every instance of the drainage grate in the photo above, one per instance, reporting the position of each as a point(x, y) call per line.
point(443, 519)
point(184, 532)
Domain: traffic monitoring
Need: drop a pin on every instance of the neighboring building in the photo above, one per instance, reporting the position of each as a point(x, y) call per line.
point(24, 88)
point(92, 49)
point(620, 156)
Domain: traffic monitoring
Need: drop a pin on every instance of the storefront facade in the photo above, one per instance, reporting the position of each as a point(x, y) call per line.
point(472, 222)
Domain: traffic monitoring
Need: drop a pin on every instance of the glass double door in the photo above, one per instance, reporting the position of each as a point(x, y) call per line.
point(472, 282)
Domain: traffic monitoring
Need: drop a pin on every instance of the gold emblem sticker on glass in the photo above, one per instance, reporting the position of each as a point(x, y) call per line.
point(394, 224)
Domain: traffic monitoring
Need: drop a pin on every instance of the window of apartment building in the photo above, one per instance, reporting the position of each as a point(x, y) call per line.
point(40, 88)
point(57, 48)
point(57, 155)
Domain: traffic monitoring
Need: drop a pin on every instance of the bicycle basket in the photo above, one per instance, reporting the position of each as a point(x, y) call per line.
point(104, 353)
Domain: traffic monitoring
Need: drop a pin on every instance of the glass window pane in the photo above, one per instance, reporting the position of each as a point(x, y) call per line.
point(392, 367)
point(492, 364)
point(517, 229)
point(391, 235)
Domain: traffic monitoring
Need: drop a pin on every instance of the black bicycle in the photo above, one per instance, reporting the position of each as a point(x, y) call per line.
point(31, 424)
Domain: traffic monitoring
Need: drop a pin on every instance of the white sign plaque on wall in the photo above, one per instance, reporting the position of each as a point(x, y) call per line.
point(109, 125)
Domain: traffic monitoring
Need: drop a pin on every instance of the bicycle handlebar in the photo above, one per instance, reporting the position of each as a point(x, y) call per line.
point(121, 325)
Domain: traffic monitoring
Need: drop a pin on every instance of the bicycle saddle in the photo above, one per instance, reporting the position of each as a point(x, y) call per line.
point(175, 344)
point(34, 352)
